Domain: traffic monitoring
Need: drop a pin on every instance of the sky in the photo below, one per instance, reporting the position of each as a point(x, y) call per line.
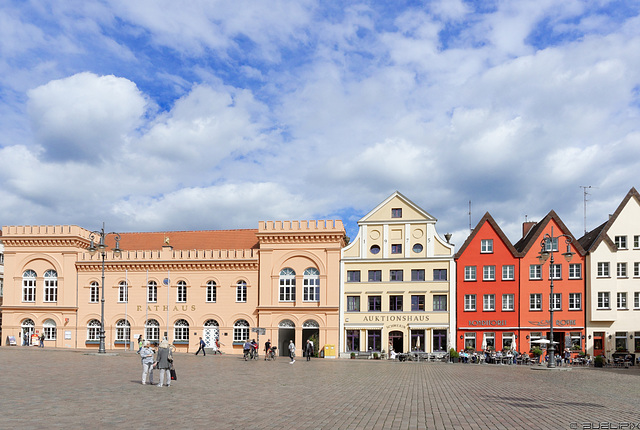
point(203, 115)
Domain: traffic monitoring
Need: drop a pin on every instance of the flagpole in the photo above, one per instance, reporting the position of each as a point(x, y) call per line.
point(168, 288)
point(146, 311)
point(126, 303)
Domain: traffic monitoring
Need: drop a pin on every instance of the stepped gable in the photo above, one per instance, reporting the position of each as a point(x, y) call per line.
point(185, 240)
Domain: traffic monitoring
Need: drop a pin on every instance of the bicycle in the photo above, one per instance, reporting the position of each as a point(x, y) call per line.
point(247, 354)
point(271, 354)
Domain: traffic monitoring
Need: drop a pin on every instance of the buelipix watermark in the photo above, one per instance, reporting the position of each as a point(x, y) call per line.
point(605, 425)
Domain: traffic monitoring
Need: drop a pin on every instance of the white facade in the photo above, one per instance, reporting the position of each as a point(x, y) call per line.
point(613, 282)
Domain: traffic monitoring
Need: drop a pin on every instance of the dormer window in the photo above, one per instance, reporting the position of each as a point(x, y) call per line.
point(396, 213)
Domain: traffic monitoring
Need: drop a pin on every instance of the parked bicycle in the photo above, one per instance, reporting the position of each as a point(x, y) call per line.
point(271, 354)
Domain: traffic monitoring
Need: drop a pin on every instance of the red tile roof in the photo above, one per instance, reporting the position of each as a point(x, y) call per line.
point(180, 240)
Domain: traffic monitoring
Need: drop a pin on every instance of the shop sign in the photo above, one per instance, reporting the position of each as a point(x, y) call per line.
point(488, 323)
point(396, 326)
point(559, 323)
point(176, 308)
point(407, 318)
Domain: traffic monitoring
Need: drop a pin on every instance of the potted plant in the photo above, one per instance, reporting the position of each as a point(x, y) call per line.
point(376, 356)
point(353, 355)
point(598, 361)
point(536, 351)
point(453, 355)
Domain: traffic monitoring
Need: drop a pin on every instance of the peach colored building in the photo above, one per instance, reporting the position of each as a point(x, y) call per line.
point(182, 285)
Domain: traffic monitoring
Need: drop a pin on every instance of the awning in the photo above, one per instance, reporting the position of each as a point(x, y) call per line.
point(363, 327)
point(426, 326)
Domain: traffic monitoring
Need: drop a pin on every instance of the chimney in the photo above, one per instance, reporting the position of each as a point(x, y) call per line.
point(526, 226)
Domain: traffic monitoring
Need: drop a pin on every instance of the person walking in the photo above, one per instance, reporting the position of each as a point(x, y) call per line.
point(146, 355)
point(163, 362)
point(267, 347)
point(202, 345)
point(140, 344)
point(42, 340)
point(309, 349)
point(292, 352)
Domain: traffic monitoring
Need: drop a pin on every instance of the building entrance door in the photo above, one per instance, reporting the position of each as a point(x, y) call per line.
point(439, 340)
point(284, 336)
point(396, 341)
point(598, 343)
point(28, 329)
point(209, 335)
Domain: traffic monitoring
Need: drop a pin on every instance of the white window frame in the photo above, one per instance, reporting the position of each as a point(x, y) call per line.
point(489, 302)
point(152, 330)
point(94, 292)
point(535, 272)
point(556, 301)
point(212, 294)
point(508, 302)
point(603, 269)
point(508, 272)
point(535, 302)
point(575, 271)
point(636, 269)
point(50, 286)
point(555, 271)
point(636, 241)
point(287, 281)
point(486, 246)
point(311, 285)
point(123, 330)
point(604, 300)
point(621, 270)
point(469, 302)
point(93, 330)
point(488, 273)
point(181, 292)
point(621, 242)
point(241, 292)
point(240, 331)
point(49, 329)
point(152, 292)
point(469, 273)
point(181, 330)
point(621, 301)
point(123, 292)
point(575, 301)
point(636, 300)
point(29, 278)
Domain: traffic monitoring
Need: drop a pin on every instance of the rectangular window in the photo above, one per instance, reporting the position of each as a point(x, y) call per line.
point(152, 292)
point(396, 212)
point(417, 303)
point(417, 274)
point(439, 302)
point(621, 242)
point(396, 275)
point(375, 303)
point(489, 302)
point(636, 300)
point(603, 300)
point(621, 270)
point(486, 246)
point(575, 271)
point(469, 302)
point(508, 302)
point(489, 273)
point(94, 293)
point(241, 292)
point(375, 275)
point(395, 303)
point(50, 289)
point(575, 301)
point(374, 340)
point(622, 300)
point(182, 292)
point(123, 293)
point(353, 276)
point(636, 269)
point(603, 269)
point(439, 274)
point(548, 244)
point(535, 271)
point(470, 273)
point(353, 303)
point(576, 339)
point(535, 302)
point(211, 292)
point(556, 301)
point(636, 241)
point(621, 341)
point(396, 248)
point(555, 271)
point(353, 340)
point(508, 273)
point(470, 341)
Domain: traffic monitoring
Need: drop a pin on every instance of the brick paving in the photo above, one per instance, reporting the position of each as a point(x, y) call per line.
point(47, 388)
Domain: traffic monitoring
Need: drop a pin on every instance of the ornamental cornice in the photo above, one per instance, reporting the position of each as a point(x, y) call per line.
point(299, 238)
point(290, 309)
point(118, 266)
point(44, 242)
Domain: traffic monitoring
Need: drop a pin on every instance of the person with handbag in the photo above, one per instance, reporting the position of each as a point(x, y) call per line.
point(164, 362)
point(146, 355)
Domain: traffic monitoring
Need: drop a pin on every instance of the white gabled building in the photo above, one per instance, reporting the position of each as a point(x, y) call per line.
point(397, 283)
point(613, 281)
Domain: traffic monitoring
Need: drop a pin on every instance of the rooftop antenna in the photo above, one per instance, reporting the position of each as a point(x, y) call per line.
point(470, 216)
point(585, 194)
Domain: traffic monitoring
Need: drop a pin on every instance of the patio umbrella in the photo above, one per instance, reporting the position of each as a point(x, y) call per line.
point(418, 343)
point(542, 341)
point(484, 343)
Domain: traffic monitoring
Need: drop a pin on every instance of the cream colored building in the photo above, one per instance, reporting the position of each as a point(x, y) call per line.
point(613, 281)
point(397, 283)
point(181, 285)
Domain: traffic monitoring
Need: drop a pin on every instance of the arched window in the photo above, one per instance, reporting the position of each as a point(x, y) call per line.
point(94, 292)
point(29, 286)
point(122, 330)
point(311, 285)
point(241, 292)
point(211, 292)
point(152, 330)
point(93, 330)
point(182, 292)
point(287, 324)
point(49, 328)
point(28, 328)
point(240, 331)
point(211, 323)
point(123, 292)
point(152, 292)
point(287, 285)
point(310, 324)
point(50, 286)
point(181, 331)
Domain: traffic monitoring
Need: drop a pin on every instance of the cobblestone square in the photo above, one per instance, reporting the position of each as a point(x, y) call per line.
point(48, 388)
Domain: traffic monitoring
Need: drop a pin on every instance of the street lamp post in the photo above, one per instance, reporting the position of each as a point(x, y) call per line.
point(547, 248)
point(102, 248)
